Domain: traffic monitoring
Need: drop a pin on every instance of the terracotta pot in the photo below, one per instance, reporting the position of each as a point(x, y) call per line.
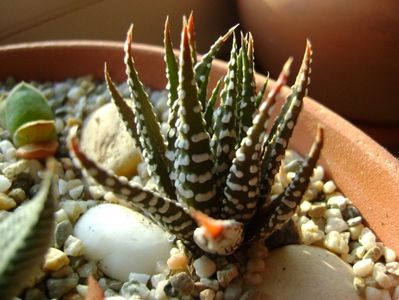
point(356, 61)
point(362, 169)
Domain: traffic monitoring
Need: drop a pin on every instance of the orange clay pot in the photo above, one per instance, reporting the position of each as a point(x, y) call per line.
point(356, 59)
point(362, 169)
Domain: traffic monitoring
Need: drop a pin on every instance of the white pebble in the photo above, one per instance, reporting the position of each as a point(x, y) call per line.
point(76, 192)
point(329, 187)
point(367, 238)
point(336, 224)
point(204, 267)
point(383, 280)
point(318, 174)
point(159, 290)
point(5, 183)
point(73, 246)
point(337, 201)
point(311, 233)
point(129, 241)
point(363, 267)
point(373, 293)
point(140, 277)
point(389, 254)
point(333, 213)
point(336, 243)
point(157, 278)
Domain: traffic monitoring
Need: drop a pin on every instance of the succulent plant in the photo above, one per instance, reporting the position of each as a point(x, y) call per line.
point(26, 236)
point(215, 167)
point(26, 114)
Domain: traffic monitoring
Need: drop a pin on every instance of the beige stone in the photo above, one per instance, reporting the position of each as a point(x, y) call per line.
point(6, 202)
point(55, 260)
point(307, 272)
point(106, 140)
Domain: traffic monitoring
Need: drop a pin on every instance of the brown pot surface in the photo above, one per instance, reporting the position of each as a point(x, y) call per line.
point(356, 61)
point(362, 169)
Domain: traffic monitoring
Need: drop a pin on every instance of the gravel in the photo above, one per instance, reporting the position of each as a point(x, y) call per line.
point(326, 218)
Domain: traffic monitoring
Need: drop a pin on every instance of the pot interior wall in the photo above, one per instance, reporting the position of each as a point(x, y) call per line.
point(363, 170)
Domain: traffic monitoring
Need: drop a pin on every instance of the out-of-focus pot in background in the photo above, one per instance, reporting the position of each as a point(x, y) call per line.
point(356, 60)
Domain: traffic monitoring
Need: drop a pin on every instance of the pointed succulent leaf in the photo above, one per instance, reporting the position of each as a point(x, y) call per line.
point(123, 108)
point(168, 214)
point(241, 191)
point(148, 127)
point(247, 106)
point(203, 67)
point(225, 135)
point(173, 82)
point(195, 181)
point(25, 238)
point(191, 34)
point(239, 71)
point(280, 210)
point(283, 128)
point(210, 107)
point(261, 93)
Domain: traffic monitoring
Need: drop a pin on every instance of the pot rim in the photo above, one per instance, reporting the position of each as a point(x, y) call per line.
point(348, 155)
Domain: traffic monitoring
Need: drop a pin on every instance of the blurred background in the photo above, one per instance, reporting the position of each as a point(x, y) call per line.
point(356, 42)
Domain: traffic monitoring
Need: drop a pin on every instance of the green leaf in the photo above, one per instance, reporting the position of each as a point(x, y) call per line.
point(203, 67)
point(168, 214)
point(125, 112)
point(283, 128)
point(247, 104)
point(261, 93)
point(280, 210)
point(195, 181)
point(224, 131)
point(148, 128)
point(210, 106)
point(173, 82)
point(26, 105)
point(25, 238)
point(241, 189)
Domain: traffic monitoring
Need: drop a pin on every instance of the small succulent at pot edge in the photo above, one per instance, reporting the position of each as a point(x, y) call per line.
point(26, 114)
point(215, 167)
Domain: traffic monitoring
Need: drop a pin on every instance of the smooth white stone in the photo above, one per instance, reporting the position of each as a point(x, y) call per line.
point(336, 224)
point(373, 293)
point(122, 240)
point(363, 267)
point(337, 201)
point(306, 272)
point(5, 183)
point(204, 267)
point(367, 238)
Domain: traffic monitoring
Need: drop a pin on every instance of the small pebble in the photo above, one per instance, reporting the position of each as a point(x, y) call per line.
point(207, 294)
point(333, 213)
point(355, 231)
point(5, 183)
point(76, 192)
point(335, 224)
point(59, 287)
point(65, 271)
point(338, 202)
point(383, 280)
point(336, 243)
point(359, 284)
point(73, 246)
point(389, 254)
point(139, 277)
point(55, 259)
point(82, 290)
point(14, 169)
point(210, 283)
point(329, 187)
point(374, 253)
point(318, 174)
point(6, 203)
point(367, 238)
point(233, 290)
point(89, 268)
point(311, 233)
point(204, 267)
point(363, 267)
point(178, 261)
point(317, 210)
point(393, 268)
point(18, 195)
point(227, 274)
point(132, 288)
point(62, 230)
point(354, 221)
point(182, 283)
